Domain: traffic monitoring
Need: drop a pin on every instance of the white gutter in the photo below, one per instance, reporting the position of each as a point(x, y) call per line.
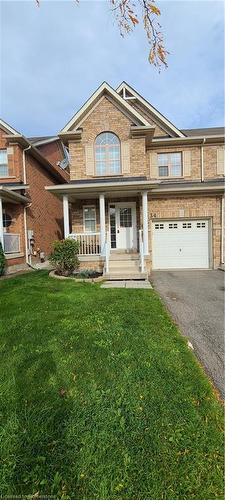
point(222, 230)
point(25, 235)
point(202, 160)
point(190, 189)
point(24, 164)
point(28, 261)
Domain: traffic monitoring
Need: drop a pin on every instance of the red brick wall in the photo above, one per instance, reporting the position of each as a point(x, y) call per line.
point(53, 152)
point(44, 216)
point(15, 159)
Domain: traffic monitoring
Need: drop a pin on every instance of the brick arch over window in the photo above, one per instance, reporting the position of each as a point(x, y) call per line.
point(107, 154)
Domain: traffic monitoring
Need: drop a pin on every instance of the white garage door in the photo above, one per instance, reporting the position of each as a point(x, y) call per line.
point(180, 244)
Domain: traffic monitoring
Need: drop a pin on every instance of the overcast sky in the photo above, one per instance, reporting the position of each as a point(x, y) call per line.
point(55, 56)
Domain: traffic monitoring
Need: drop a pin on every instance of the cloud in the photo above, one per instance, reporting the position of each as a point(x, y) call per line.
point(55, 56)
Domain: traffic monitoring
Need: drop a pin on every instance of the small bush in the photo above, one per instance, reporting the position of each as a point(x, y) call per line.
point(2, 261)
point(64, 256)
point(87, 273)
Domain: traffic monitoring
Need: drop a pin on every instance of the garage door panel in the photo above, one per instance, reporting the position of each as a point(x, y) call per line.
point(181, 244)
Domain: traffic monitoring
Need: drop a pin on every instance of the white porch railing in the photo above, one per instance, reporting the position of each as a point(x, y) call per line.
point(141, 251)
point(11, 243)
point(89, 243)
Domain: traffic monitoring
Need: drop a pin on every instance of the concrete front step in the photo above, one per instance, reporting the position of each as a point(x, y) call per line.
point(126, 276)
point(124, 256)
point(129, 265)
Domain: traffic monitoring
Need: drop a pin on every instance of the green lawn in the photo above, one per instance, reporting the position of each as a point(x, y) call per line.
point(101, 398)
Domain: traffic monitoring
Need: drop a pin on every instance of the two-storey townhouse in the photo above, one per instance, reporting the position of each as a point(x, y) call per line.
point(30, 217)
point(142, 194)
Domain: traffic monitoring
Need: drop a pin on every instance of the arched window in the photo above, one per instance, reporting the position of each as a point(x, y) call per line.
point(107, 154)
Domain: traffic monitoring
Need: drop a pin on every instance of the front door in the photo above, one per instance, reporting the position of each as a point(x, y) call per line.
point(123, 226)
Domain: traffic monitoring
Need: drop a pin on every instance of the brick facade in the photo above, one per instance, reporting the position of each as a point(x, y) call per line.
point(44, 215)
point(15, 160)
point(206, 207)
point(106, 116)
point(44, 212)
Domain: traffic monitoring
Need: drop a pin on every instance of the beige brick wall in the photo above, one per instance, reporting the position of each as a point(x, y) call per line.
point(106, 117)
point(195, 160)
point(210, 162)
point(159, 131)
point(185, 207)
point(165, 208)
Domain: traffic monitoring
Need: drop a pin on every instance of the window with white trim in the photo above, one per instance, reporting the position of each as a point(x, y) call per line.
point(170, 164)
point(107, 154)
point(89, 219)
point(4, 171)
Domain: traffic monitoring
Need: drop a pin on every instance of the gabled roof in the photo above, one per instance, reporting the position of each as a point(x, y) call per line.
point(15, 137)
point(160, 119)
point(104, 89)
point(8, 128)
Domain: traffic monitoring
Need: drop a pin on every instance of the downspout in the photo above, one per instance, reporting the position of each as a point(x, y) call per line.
point(222, 230)
point(28, 260)
point(24, 164)
point(202, 161)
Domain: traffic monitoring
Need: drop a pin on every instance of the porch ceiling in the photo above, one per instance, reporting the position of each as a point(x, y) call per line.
point(12, 197)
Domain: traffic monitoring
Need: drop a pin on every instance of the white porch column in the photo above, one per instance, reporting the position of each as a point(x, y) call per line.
point(66, 216)
point(1, 224)
point(145, 221)
point(102, 222)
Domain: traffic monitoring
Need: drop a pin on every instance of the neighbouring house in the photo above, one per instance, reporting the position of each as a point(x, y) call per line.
point(30, 217)
point(142, 194)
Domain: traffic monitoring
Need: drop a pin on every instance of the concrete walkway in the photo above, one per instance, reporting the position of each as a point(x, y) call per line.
point(126, 284)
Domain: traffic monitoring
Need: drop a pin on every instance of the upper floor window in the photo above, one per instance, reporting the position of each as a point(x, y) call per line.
point(170, 164)
point(3, 163)
point(107, 154)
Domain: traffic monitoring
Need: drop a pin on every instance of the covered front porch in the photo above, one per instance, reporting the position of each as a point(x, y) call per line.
point(12, 224)
point(110, 221)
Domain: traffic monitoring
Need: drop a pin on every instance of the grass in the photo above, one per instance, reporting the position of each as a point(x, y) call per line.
point(101, 398)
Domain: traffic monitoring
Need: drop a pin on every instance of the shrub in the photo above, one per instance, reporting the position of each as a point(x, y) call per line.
point(87, 273)
point(64, 256)
point(2, 261)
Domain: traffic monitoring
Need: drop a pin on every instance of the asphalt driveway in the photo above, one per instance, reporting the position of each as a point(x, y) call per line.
point(196, 301)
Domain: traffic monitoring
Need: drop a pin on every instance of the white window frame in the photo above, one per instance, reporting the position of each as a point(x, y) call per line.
point(84, 207)
point(107, 172)
point(170, 165)
point(4, 164)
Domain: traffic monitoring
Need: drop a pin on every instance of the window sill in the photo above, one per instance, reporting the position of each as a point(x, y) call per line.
point(8, 177)
point(107, 175)
point(169, 177)
point(9, 256)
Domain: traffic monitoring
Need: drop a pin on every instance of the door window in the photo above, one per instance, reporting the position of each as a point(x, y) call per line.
point(112, 212)
point(125, 217)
